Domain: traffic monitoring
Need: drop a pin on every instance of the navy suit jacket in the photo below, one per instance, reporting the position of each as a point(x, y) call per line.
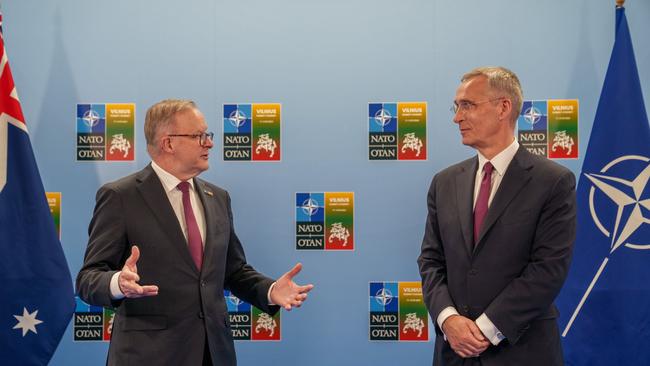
point(519, 262)
point(170, 328)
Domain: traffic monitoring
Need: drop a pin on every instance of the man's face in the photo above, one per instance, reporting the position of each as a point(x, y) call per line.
point(478, 117)
point(189, 157)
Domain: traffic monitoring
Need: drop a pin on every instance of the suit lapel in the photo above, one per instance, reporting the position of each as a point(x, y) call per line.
point(464, 197)
point(154, 195)
point(515, 179)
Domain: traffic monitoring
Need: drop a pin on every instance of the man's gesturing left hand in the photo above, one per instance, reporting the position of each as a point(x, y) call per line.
point(287, 293)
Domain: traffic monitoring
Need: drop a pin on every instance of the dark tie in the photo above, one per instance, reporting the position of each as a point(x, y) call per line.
point(481, 208)
point(194, 242)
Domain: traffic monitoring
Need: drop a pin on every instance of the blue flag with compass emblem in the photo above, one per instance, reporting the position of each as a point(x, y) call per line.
point(605, 302)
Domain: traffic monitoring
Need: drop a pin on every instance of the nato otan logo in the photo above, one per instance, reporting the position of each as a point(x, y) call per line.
point(619, 203)
point(105, 132)
point(92, 323)
point(248, 323)
point(251, 132)
point(397, 312)
point(397, 131)
point(549, 128)
point(325, 221)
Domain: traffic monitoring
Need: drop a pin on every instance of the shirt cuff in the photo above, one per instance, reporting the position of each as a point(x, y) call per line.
point(116, 293)
point(444, 314)
point(268, 294)
point(490, 331)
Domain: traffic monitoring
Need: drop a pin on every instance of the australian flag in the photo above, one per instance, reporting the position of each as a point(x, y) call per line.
point(36, 294)
point(605, 303)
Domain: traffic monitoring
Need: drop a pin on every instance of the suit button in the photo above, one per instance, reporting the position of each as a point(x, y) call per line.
point(465, 308)
point(473, 272)
point(202, 283)
point(201, 315)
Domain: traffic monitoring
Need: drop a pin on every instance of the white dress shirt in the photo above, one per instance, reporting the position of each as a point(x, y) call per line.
point(175, 197)
point(500, 162)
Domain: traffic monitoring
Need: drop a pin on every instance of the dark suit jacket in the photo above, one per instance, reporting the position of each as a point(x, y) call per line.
point(170, 328)
point(518, 265)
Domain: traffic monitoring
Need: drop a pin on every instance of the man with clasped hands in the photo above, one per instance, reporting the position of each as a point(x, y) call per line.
point(498, 237)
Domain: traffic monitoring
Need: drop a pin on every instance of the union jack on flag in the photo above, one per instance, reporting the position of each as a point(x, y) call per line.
point(35, 283)
point(10, 111)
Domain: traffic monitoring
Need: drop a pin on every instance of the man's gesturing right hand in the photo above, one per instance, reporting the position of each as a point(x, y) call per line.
point(128, 278)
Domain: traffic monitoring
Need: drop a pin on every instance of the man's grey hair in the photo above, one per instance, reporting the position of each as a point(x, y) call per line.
point(160, 116)
point(503, 82)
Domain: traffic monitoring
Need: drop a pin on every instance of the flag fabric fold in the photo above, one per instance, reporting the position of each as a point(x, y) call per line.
point(36, 293)
point(605, 303)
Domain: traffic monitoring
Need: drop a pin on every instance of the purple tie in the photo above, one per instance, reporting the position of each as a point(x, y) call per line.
point(481, 208)
point(194, 242)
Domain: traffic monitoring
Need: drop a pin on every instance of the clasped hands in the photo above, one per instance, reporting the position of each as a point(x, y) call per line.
point(285, 292)
point(464, 336)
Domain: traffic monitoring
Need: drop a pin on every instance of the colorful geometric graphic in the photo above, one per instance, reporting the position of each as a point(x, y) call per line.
point(248, 323)
point(549, 128)
point(120, 135)
point(397, 131)
point(92, 323)
point(397, 312)
point(54, 201)
point(325, 221)
point(251, 132)
point(563, 129)
point(413, 315)
point(105, 132)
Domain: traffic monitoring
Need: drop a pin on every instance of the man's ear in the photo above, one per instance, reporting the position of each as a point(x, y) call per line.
point(166, 144)
point(505, 109)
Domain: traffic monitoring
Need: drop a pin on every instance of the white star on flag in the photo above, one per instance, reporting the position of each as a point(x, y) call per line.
point(27, 321)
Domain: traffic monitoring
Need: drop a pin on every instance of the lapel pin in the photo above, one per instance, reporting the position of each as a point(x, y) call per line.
point(209, 193)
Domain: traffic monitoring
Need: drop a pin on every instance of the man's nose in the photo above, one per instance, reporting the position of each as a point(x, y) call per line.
point(458, 116)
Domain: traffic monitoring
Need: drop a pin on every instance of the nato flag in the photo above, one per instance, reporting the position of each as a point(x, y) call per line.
point(605, 303)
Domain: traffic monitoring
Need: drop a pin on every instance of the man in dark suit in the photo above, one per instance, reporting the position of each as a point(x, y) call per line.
point(498, 238)
point(173, 232)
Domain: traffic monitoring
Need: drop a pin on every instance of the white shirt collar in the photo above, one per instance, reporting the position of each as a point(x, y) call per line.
point(169, 181)
point(501, 160)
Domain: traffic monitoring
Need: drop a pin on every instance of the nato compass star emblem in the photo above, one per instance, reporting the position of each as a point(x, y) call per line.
point(532, 115)
point(382, 117)
point(27, 322)
point(627, 195)
point(383, 296)
point(234, 300)
point(631, 200)
point(310, 207)
point(237, 118)
point(91, 118)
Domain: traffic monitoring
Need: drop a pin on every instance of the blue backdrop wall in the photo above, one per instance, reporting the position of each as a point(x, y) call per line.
point(324, 61)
